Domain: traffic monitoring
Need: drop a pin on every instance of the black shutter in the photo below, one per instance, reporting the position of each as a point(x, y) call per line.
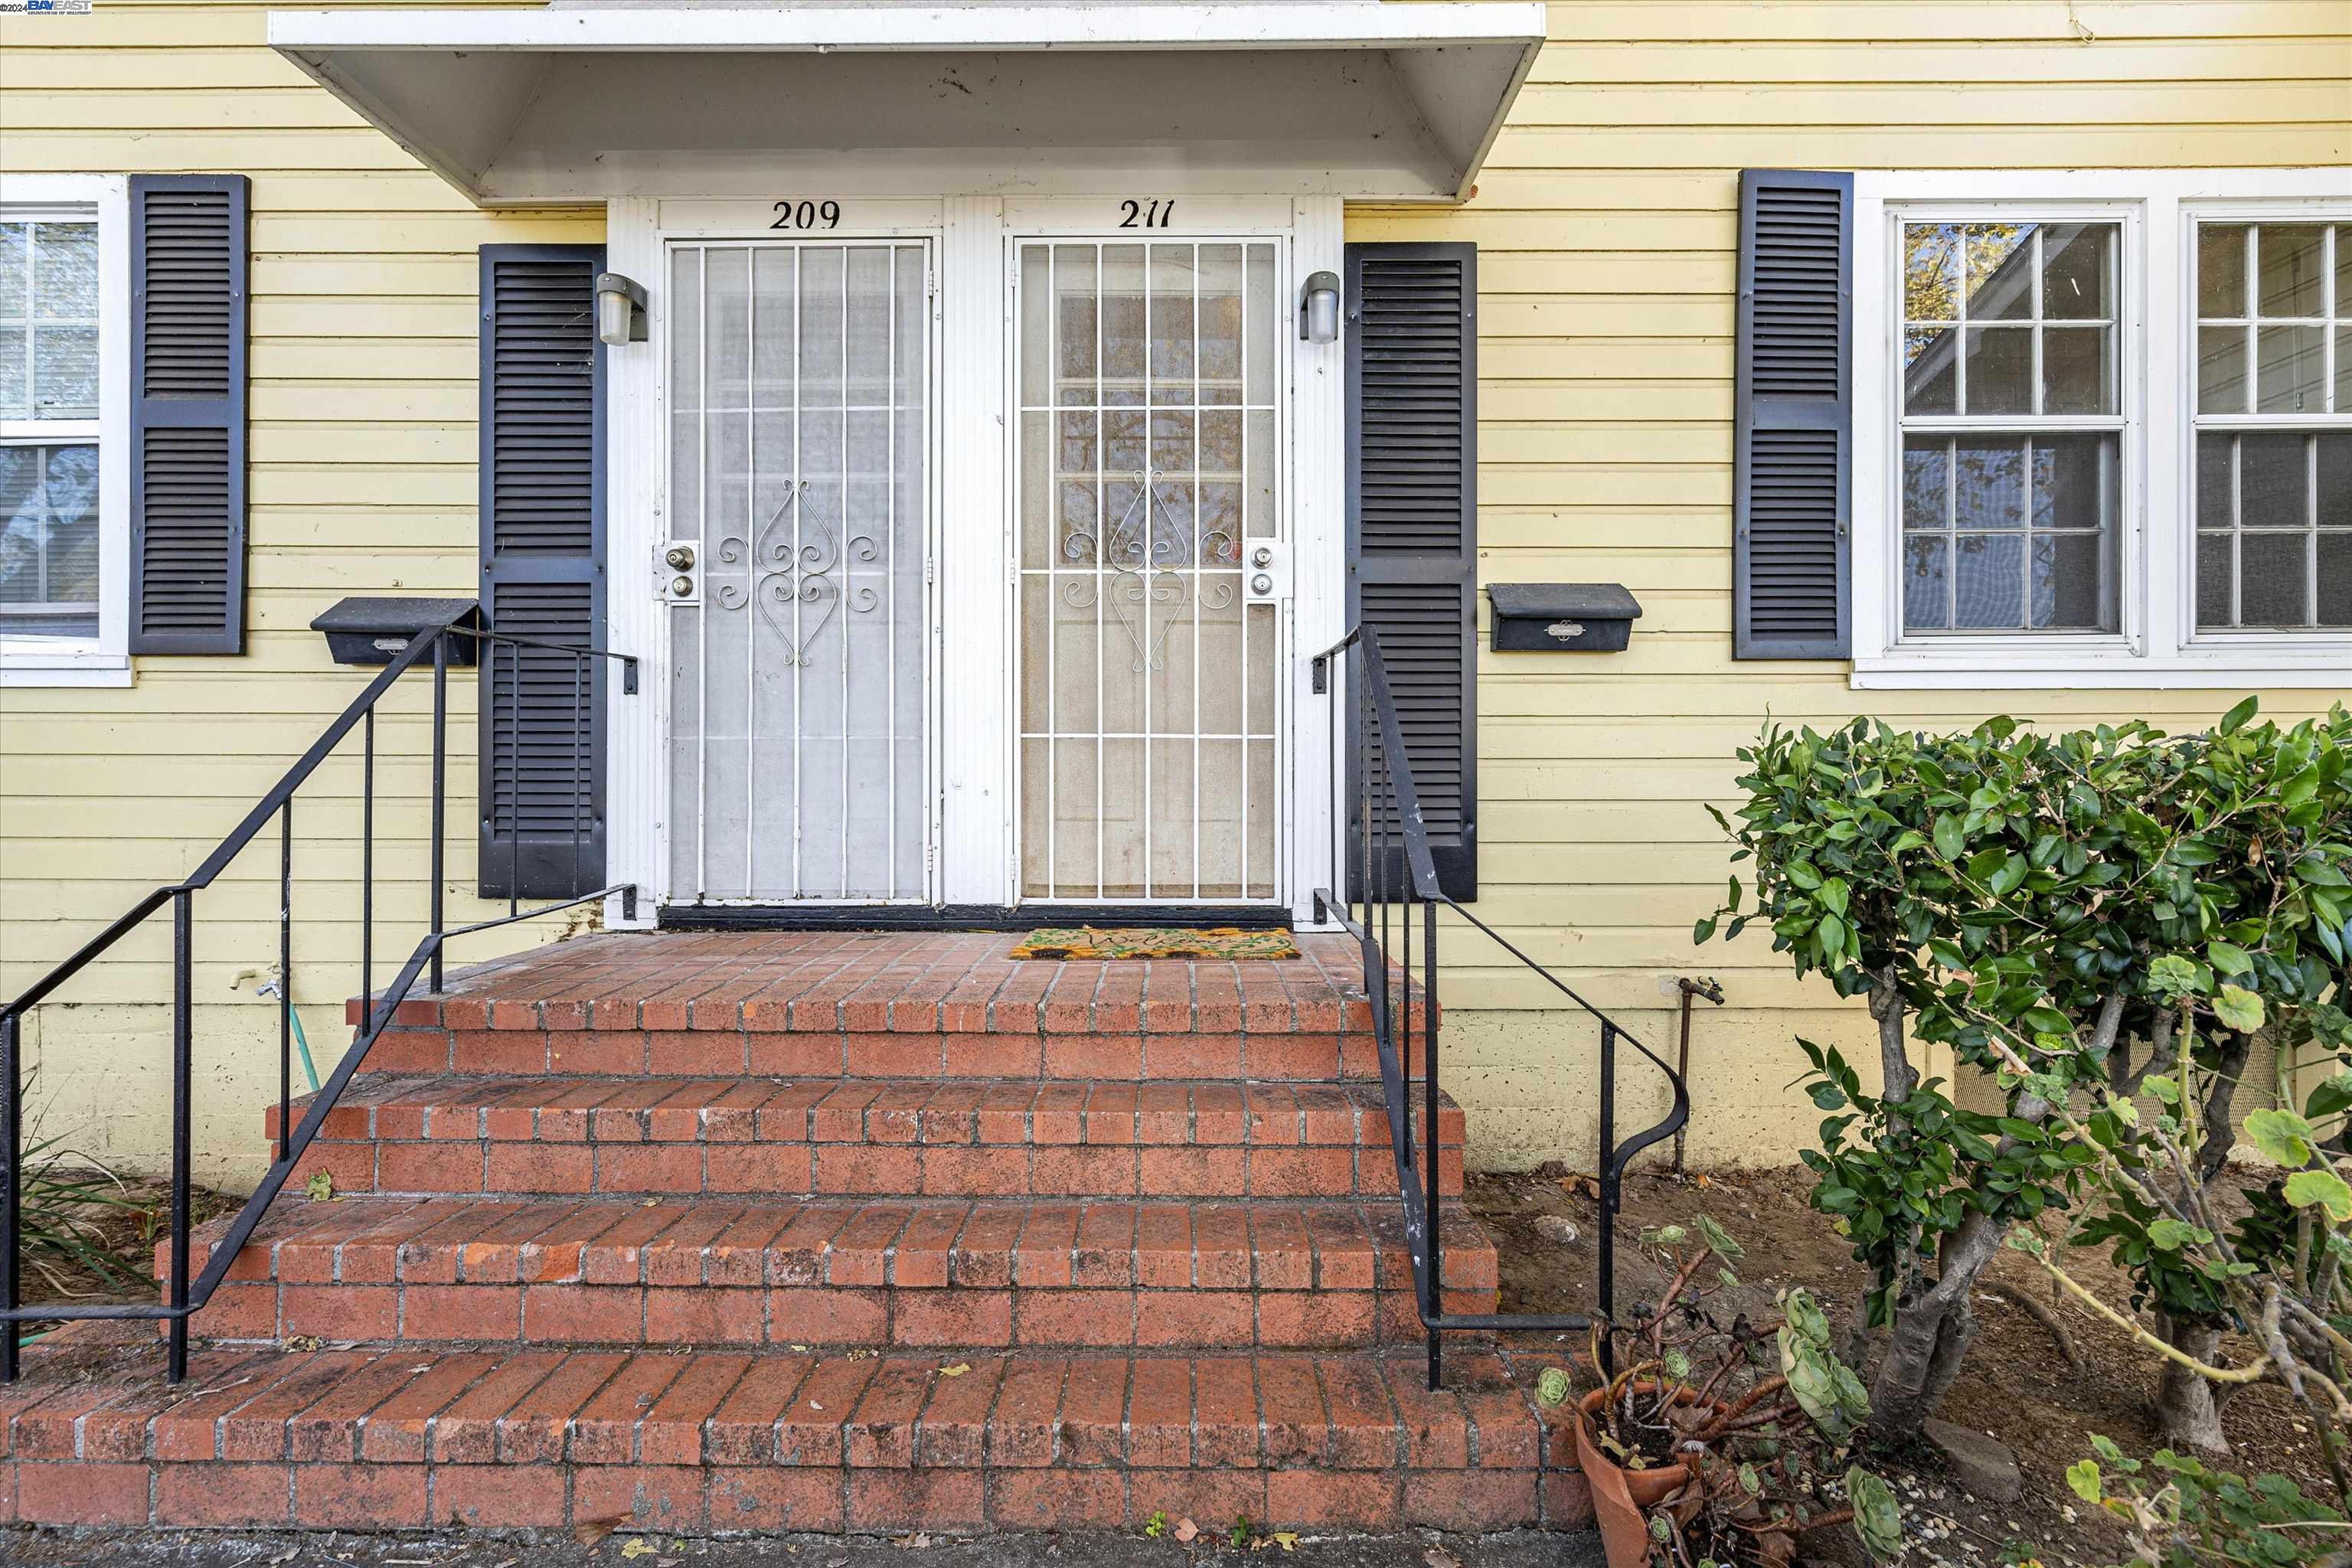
point(1413, 517)
point(188, 297)
point(1794, 416)
point(543, 521)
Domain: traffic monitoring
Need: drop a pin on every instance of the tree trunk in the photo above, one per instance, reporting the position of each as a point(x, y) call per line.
point(1931, 1334)
point(2185, 1410)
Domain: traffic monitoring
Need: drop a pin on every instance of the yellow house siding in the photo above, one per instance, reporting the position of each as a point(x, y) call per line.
point(362, 443)
point(1607, 222)
point(1606, 218)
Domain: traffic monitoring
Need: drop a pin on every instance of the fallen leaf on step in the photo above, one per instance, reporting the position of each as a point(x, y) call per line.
point(1186, 1531)
point(650, 1203)
point(956, 1371)
point(802, 1349)
point(1438, 1557)
point(1287, 1539)
point(638, 1548)
point(320, 1187)
point(303, 1341)
point(589, 1531)
point(814, 1405)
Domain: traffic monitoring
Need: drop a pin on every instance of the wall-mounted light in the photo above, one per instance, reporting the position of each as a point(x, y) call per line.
point(1318, 309)
point(620, 310)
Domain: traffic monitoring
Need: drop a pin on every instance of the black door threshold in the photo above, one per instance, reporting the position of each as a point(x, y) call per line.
point(963, 917)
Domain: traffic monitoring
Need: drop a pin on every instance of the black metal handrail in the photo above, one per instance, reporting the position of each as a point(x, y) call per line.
point(188, 1296)
point(1385, 884)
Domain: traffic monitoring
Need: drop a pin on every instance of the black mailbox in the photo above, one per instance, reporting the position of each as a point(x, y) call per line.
point(1562, 617)
point(373, 630)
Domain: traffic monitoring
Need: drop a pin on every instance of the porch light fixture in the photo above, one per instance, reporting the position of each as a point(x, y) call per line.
point(620, 310)
point(1318, 309)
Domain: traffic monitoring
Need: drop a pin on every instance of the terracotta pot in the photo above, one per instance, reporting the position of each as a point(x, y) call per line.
point(1621, 1498)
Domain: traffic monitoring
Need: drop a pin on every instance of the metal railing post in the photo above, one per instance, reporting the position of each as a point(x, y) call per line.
point(12, 1127)
point(1429, 1109)
point(285, 970)
point(367, 873)
point(183, 1073)
point(514, 791)
point(1608, 1196)
point(440, 785)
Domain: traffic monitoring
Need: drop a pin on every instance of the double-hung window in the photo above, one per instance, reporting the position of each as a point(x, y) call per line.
point(63, 534)
point(2102, 429)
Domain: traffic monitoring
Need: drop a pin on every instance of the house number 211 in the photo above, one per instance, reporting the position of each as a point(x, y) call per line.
point(1153, 214)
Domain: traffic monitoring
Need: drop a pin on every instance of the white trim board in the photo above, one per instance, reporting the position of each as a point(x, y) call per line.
point(2157, 646)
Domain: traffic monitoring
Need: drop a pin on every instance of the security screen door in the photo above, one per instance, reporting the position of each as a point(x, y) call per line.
point(1149, 459)
point(799, 413)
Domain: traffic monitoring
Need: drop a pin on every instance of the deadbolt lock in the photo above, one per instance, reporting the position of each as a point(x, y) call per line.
point(681, 587)
point(676, 573)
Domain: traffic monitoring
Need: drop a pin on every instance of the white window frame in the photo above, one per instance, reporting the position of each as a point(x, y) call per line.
point(2157, 645)
point(104, 659)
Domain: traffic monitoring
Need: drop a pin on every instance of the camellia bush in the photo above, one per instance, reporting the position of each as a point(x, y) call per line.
point(2088, 920)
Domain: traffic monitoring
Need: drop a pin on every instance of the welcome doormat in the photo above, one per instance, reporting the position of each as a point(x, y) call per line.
point(1155, 942)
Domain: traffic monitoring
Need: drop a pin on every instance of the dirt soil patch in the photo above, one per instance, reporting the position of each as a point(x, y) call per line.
point(2017, 1385)
point(123, 1236)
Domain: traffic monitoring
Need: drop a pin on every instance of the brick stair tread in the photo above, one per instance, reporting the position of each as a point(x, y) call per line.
point(913, 1243)
point(860, 982)
point(709, 1442)
point(741, 1136)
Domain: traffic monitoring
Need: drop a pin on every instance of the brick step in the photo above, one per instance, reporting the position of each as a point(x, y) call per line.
point(883, 1005)
point(714, 1442)
point(640, 1136)
point(578, 1272)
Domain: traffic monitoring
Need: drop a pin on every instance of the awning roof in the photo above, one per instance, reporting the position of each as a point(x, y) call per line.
point(525, 107)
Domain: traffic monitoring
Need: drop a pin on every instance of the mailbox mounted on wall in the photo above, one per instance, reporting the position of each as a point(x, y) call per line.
point(1562, 617)
point(372, 630)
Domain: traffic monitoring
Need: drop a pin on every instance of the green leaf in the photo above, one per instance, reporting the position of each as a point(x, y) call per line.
point(2229, 958)
point(2240, 1008)
point(1801, 873)
point(2169, 1235)
point(2160, 1086)
point(2236, 717)
point(1951, 838)
point(2082, 1476)
point(1704, 930)
point(2321, 1189)
point(2317, 871)
point(2282, 1136)
point(2298, 789)
point(2172, 976)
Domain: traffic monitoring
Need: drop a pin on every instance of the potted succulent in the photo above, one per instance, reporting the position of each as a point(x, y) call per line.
point(1712, 1444)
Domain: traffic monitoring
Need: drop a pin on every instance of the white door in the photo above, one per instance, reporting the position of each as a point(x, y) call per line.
point(800, 415)
point(1147, 450)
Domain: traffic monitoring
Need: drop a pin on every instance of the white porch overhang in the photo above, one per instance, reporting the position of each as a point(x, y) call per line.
point(519, 107)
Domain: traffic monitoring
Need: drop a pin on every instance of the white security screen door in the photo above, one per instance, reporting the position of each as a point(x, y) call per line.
point(1149, 451)
point(799, 442)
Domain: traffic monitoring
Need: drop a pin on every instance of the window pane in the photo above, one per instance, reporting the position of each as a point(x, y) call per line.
point(14, 239)
point(1931, 261)
point(2214, 572)
point(2271, 471)
point(2000, 268)
point(2078, 271)
point(2074, 481)
point(65, 373)
point(1989, 491)
point(2344, 366)
point(2276, 567)
point(2335, 495)
point(16, 390)
point(2344, 272)
point(2067, 592)
point(2213, 481)
point(2291, 369)
point(1999, 371)
point(1927, 479)
point(2075, 377)
point(49, 541)
point(2335, 579)
point(2288, 283)
point(2221, 370)
point(1989, 581)
point(1925, 585)
point(1929, 382)
point(65, 271)
point(2222, 269)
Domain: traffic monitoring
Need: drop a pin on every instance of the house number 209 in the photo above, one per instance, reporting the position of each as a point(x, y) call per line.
point(1153, 214)
point(807, 215)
